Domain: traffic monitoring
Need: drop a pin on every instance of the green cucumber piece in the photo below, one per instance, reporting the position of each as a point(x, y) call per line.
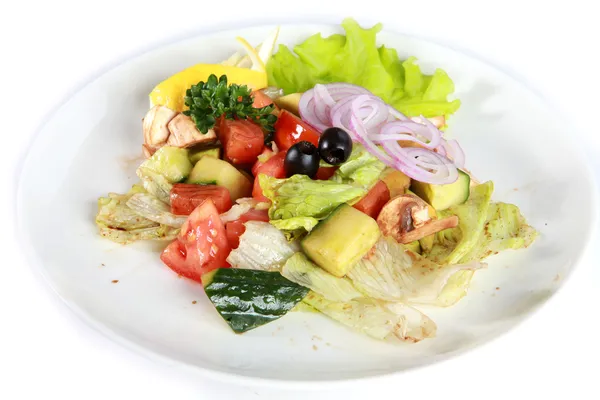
point(171, 162)
point(442, 197)
point(247, 299)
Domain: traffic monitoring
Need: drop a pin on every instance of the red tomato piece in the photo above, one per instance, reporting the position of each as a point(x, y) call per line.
point(242, 140)
point(235, 229)
point(260, 99)
point(290, 130)
point(324, 173)
point(201, 246)
point(374, 200)
point(273, 167)
point(186, 197)
point(266, 154)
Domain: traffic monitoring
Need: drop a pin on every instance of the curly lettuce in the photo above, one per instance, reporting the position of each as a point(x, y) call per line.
point(299, 202)
point(485, 228)
point(362, 169)
point(355, 58)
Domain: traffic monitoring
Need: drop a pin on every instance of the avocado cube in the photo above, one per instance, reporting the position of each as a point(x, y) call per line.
point(337, 243)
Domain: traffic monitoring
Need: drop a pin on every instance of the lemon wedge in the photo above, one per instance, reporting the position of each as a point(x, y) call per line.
point(171, 92)
point(257, 63)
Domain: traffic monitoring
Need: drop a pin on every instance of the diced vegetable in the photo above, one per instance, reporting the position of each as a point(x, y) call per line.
point(201, 245)
point(185, 197)
point(260, 99)
point(273, 167)
point(236, 228)
point(396, 181)
point(248, 299)
point(442, 197)
point(301, 270)
point(374, 201)
point(338, 242)
point(243, 141)
point(325, 173)
point(171, 162)
point(300, 202)
point(196, 153)
point(212, 171)
point(261, 246)
point(289, 102)
point(290, 130)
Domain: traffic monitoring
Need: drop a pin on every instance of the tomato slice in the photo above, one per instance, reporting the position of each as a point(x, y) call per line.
point(242, 140)
point(290, 130)
point(324, 173)
point(186, 197)
point(236, 228)
point(374, 200)
point(201, 246)
point(273, 167)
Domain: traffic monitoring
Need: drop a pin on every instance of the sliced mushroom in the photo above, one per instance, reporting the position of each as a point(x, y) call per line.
point(185, 134)
point(407, 218)
point(154, 126)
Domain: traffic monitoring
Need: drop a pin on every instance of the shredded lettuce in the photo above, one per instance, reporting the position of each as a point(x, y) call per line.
point(377, 319)
point(262, 247)
point(362, 169)
point(155, 210)
point(242, 206)
point(155, 184)
point(302, 271)
point(394, 273)
point(355, 58)
point(300, 202)
point(121, 224)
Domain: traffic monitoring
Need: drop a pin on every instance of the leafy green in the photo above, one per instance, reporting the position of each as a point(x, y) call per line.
point(262, 247)
point(355, 58)
point(207, 101)
point(361, 169)
point(375, 318)
point(155, 183)
point(298, 268)
point(485, 228)
point(393, 273)
point(300, 202)
point(155, 210)
point(121, 224)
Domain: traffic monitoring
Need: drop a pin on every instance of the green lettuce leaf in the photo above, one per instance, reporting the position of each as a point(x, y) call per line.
point(300, 202)
point(485, 228)
point(377, 319)
point(118, 222)
point(392, 273)
point(355, 58)
point(262, 247)
point(299, 269)
point(362, 169)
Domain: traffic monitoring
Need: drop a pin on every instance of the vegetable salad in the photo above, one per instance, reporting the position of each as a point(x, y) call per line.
point(314, 177)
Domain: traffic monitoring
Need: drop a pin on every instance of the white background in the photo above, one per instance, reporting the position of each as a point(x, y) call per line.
point(52, 48)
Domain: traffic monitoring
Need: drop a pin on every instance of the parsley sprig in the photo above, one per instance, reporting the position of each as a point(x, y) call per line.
point(214, 98)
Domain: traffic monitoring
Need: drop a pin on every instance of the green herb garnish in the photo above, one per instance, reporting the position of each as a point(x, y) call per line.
point(214, 98)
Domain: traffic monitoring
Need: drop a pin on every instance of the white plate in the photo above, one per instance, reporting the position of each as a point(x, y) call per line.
point(91, 147)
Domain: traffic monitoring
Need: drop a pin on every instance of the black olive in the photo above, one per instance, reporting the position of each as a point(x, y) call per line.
point(302, 158)
point(335, 146)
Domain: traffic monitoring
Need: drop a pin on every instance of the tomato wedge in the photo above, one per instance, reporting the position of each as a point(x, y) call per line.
point(266, 154)
point(201, 246)
point(236, 228)
point(186, 197)
point(290, 130)
point(273, 167)
point(242, 140)
point(374, 200)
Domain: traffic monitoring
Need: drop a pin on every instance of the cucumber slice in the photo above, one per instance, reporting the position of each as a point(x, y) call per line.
point(247, 299)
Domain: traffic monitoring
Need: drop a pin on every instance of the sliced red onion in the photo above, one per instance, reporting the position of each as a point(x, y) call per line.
point(370, 121)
